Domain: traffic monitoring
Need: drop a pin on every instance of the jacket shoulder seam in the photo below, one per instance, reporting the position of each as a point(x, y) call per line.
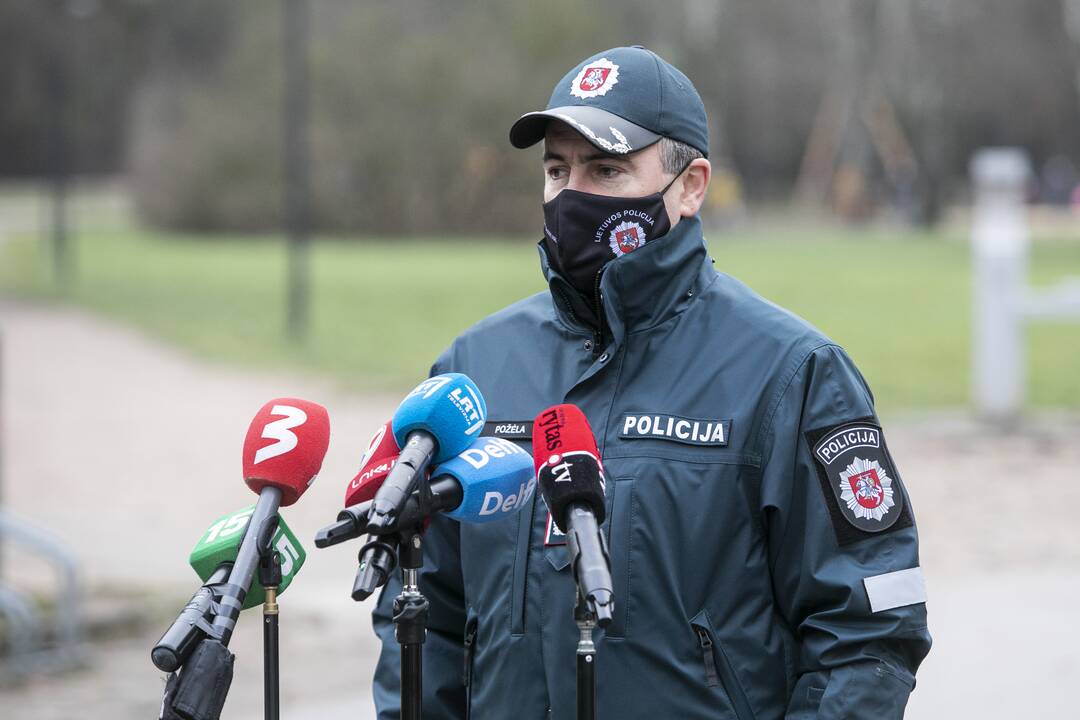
point(778, 397)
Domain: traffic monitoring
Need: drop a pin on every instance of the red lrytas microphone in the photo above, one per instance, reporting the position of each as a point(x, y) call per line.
point(379, 457)
point(285, 447)
point(568, 467)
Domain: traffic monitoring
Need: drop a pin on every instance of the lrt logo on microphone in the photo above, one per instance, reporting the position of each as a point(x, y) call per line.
point(429, 387)
point(281, 430)
point(469, 405)
point(365, 477)
point(689, 431)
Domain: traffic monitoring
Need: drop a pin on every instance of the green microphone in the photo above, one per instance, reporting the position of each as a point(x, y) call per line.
point(221, 543)
point(212, 559)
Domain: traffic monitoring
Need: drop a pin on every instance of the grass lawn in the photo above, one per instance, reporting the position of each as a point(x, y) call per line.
point(383, 309)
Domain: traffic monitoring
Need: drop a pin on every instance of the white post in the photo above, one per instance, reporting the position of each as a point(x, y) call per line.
point(1000, 240)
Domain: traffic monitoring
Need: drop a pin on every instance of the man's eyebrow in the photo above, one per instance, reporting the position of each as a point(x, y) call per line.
point(604, 156)
point(549, 155)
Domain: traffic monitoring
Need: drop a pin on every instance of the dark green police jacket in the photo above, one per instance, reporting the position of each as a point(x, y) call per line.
point(763, 549)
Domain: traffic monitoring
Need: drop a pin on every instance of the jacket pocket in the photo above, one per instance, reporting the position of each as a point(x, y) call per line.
point(620, 513)
point(470, 652)
point(717, 669)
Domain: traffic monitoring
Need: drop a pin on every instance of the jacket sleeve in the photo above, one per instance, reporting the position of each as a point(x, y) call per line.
point(443, 650)
point(846, 578)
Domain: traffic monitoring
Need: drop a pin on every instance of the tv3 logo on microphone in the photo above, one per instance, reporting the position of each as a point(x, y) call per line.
point(230, 525)
point(281, 430)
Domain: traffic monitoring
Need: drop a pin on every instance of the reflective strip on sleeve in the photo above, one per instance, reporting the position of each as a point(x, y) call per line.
point(895, 589)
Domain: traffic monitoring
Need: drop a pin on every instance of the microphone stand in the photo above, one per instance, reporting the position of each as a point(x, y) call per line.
point(411, 611)
point(270, 579)
point(586, 661)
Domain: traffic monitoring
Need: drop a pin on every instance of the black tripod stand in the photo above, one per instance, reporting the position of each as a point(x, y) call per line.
point(410, 619)
point(270, 579)
point(586, 661)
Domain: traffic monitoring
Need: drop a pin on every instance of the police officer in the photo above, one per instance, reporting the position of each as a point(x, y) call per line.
point(763, 548)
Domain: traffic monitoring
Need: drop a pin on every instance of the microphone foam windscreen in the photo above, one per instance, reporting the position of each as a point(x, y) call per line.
point(379, 457)
point(567, 462)
point(450, 407)
point(496, 479)
point(221, 543)
point(285, 447)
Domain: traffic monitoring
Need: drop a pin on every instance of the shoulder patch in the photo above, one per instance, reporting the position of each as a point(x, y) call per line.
point(859, 480)
point(509, 429)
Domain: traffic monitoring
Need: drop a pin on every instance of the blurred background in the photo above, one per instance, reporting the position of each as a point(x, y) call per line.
point(204, 205)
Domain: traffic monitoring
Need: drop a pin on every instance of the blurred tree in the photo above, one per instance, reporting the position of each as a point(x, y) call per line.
point(98, 51)
point(411, 101)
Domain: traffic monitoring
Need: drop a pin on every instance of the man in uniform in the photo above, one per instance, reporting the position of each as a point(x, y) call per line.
point(763, 548)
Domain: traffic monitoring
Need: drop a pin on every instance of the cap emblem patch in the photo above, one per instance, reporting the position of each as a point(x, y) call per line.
point(626, 237)
point(595, 79)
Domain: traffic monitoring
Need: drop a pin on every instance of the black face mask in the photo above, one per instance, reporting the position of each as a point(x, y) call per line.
point(584, 232)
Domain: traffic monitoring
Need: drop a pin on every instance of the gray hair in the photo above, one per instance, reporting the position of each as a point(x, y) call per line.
point(675, 155)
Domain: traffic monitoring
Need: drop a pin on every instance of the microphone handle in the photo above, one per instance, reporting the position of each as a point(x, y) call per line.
point(376, 561)
point(592, 566)
point(247, 560)
point(176, 644)
point(390, 499)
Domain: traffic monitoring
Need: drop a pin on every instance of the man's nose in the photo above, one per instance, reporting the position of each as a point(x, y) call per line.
point(578, 180)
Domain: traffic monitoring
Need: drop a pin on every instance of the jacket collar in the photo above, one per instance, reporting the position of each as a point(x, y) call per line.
point(642, 288)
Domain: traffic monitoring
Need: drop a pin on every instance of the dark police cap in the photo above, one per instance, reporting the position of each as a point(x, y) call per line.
point(622, 100)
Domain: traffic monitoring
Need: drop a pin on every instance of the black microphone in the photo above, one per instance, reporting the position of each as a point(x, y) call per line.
point(571, 481)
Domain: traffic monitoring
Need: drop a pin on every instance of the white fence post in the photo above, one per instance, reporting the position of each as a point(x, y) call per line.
point(1000, 240)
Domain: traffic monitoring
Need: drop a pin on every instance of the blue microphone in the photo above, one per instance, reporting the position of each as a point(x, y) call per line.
point(435, 422)
point(496, 478)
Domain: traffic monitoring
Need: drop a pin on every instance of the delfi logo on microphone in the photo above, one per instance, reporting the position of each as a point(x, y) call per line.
point(478, 457)
point(494, 501)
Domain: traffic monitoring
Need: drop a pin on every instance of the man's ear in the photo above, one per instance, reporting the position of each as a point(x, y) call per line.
point(695, 183)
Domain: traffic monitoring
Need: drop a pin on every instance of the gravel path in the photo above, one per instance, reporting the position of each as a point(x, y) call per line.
point(125, 449)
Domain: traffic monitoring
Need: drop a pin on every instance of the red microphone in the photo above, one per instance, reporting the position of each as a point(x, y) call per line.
point(285, 447)
point(571, 479)
point(283, 452)
point(568, 467)
point(380, 456)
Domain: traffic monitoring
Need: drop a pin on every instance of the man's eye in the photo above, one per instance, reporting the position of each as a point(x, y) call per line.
point(556, 173)
point(607, 171)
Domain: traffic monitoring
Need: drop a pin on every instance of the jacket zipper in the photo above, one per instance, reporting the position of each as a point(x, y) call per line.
point(722, 676)
point(597, 335)
point(712, 678)
point(470, 640)
point(470, 646)
point(598, 301)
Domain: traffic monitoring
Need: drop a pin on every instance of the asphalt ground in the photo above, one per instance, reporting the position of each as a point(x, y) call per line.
point(125, 449)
